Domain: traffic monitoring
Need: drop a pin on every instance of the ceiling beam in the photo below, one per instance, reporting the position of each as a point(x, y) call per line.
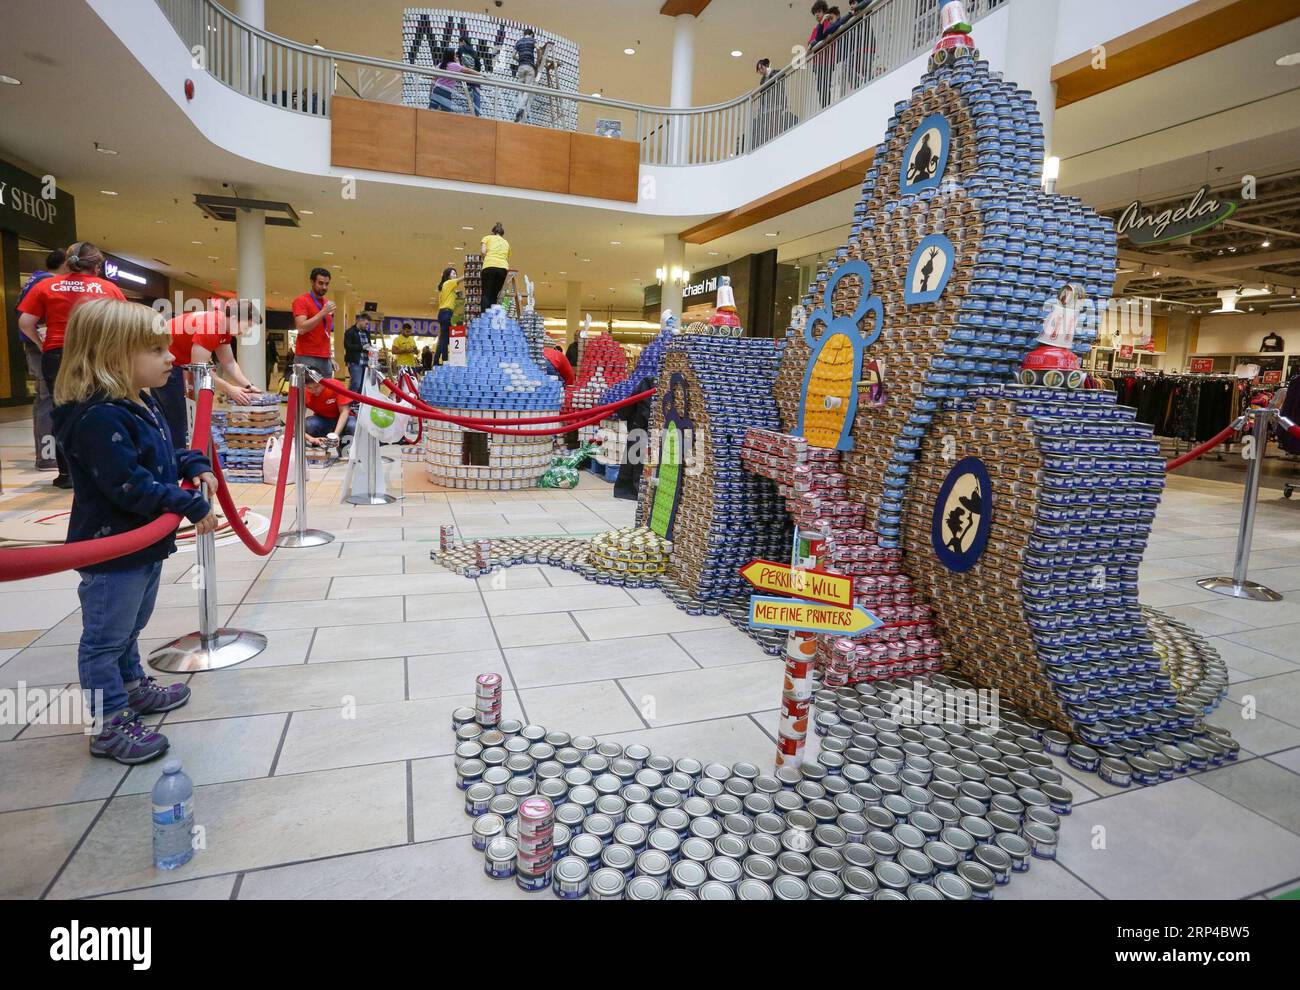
point(1171, 265)
point(830, 180)
point(672, 8)
point(1250, 260)
point(1192, 30)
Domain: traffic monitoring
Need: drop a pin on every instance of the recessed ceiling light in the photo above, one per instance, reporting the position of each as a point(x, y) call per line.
point(108, 192)
point(597, 96)
point(1292, 59)
point(10, 80)
point(196, 242)
point(336, 266)
point(1267, 243)
point(104, 151)
point(629, 51)
point(713, 254)
point(318, 236)
point(214, 257)
point(330, 253)
point(615, 243)
point(563, 273)
point(737, 53)
point(466, 228)
point(769, 234)
point(586, 259)
point(307, 213)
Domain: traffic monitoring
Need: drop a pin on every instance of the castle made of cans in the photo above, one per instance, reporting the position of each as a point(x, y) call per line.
point(996, 527)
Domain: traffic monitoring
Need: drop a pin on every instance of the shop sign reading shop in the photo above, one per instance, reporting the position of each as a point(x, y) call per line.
point(34, 207)
point(1200, 213)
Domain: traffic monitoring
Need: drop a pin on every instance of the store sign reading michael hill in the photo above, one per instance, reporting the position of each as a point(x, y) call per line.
point(1144, 226)
point(963, 515)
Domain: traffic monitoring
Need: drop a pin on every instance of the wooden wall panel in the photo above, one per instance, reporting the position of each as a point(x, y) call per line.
point(453, 146)
point(604, 168)
point(372, 135)
point(1190, 31)
point(533, 158)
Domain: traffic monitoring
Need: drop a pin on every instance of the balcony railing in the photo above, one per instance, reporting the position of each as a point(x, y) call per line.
point(303, 79)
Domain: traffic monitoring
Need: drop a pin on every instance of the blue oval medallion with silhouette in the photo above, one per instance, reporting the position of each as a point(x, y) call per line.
point(963, 515)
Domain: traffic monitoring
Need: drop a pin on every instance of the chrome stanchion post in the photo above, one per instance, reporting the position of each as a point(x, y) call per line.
point(1237, 586)
point(212, 647)
point(302, 537)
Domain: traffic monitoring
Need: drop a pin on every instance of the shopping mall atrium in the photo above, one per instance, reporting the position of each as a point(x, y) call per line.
point(548, 450)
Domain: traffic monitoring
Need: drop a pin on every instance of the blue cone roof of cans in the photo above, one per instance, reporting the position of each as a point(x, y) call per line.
point(500, 372)
point(647, 366)
point(738, 379)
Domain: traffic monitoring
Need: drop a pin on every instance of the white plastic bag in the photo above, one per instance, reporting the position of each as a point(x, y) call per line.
point(387, 425)
point(271, 461)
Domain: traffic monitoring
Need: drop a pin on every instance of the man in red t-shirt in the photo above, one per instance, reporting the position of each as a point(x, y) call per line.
point(51, 302)
point(313, 315)
point(330, 413)
point(196, 337)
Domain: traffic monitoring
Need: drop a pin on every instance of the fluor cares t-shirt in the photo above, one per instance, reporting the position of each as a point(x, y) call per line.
point(317, 341)
point(326, 403)
point(207, 329)
point(496, 252)
point(54, 299)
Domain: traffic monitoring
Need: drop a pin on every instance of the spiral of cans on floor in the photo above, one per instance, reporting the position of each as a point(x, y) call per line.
point(915, 793)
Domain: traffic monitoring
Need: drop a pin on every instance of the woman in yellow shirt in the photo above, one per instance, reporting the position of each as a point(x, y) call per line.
point(405, 351)
point(496, 262)
point(447, 286)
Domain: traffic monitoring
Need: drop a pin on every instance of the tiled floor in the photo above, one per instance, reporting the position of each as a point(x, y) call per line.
point(323, 766)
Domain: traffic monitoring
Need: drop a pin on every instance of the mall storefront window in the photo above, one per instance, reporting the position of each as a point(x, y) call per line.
point(35, 217)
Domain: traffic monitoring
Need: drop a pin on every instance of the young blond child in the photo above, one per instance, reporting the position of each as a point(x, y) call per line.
point(125, 473)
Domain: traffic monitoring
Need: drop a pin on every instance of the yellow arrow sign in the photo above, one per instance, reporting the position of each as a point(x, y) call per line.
point(811, 585)
point(786, 613)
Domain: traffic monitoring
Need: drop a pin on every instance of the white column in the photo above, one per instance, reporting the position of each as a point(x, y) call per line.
point(250, 242)
point(683, 80)
point(1031, 40)
point(252, 12)
point(573, 312)
point(674, 257)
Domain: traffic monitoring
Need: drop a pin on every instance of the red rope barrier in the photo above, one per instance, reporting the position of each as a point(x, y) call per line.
point(557, 418)
point(1204, 448)
point(408, 411)
point(33, 562)
point(263, 547)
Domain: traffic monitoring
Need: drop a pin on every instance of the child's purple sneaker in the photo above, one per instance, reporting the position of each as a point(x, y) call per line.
point(149, 697)
point(128, 740)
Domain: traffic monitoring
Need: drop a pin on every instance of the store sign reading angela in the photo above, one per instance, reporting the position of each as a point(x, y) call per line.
point(1143, 226)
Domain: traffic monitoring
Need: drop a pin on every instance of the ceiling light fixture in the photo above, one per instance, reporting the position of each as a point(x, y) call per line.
point(597, 96)
point(769, 234)
point(629, 51)
point(104, 151)
point(737, 53)
point(1287, 60)
point(10, 80)
point(107, 192)
point(318, 236)
point(466, 228)
point(196, 242)
point(1267, 243)
point(615, 243)
point(307, 213)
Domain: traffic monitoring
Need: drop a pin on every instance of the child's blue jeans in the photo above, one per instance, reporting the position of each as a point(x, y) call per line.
point(115, 606)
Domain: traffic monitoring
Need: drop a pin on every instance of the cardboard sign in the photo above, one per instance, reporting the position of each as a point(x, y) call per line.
point(786, 613)
point(810, 585)
point(458, 347)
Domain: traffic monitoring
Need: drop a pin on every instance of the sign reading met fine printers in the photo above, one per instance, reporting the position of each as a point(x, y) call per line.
point(34, 207)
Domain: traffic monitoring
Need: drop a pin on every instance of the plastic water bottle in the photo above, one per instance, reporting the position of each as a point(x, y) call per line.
point(173, 817)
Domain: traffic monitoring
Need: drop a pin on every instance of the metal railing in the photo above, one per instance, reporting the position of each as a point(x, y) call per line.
point(885, 35)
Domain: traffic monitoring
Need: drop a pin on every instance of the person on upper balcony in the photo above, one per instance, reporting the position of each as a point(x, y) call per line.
point(525, 70)
point(442, 94)
point(821, 64)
